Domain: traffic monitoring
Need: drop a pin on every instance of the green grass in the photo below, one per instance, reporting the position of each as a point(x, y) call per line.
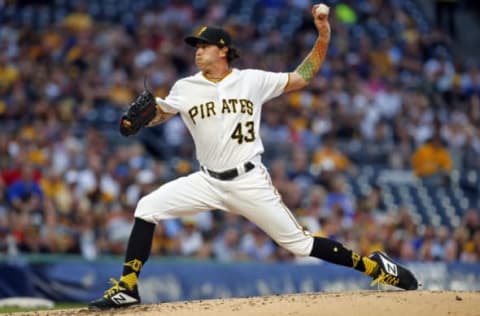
point(63, 305)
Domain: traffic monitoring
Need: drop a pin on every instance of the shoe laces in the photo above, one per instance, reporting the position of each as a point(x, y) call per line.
point(385, 278)
point(116, 287)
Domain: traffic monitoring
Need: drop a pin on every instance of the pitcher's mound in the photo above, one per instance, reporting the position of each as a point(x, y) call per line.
point(369, 303)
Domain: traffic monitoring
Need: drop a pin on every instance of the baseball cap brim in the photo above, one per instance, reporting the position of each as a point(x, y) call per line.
point(195, 40)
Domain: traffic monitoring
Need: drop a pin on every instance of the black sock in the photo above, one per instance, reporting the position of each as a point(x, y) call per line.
point(334, 252)
point(138, 247)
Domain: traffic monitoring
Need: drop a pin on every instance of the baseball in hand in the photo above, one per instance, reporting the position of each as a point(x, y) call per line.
point(322, 10)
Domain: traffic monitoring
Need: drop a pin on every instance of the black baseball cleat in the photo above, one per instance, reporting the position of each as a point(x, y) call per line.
point(118, 296)
point(391, 273)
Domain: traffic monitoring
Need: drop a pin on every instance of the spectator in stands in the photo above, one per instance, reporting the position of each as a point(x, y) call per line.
point(338, 202)
point(162, 244)
point(279, 174)
point(459, 239)
point(471, 151)
point(9, 73)
point(56, 189)
point(380, 149)
point(473, 111)
point(471, 249)
point(190, 238)
point(256, 245)
point(292, 196)
point(226, 246)
point(442, 245)
point(432, 162)
point(470, 79)
point(118, 225)
point(440, 71)
point(476, 245)
point(313, 209)
point(424, 244)
point(274, 131)
point(299, 170)
point(368, 234)
point(86, 237)
point(471, 221)
point(327, 161)
point(25, 194)
point(79, 20)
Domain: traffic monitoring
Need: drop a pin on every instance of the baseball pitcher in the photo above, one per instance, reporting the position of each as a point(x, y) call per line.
point(221, 107)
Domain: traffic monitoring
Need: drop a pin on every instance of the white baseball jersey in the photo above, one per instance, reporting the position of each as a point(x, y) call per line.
point(223, 119)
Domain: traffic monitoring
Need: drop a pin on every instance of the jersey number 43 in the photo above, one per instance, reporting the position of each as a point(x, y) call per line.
point(245, 132)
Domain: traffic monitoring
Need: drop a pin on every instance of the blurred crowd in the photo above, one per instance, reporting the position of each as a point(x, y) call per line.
point(392, 94)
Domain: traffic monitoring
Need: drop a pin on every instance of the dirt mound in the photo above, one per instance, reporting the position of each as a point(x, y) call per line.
point(371, 303)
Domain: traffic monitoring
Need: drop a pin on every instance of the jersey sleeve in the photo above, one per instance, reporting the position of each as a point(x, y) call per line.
point(172, 103)
point(270, 84)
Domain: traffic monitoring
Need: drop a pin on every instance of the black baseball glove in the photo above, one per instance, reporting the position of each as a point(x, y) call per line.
point(139, 114)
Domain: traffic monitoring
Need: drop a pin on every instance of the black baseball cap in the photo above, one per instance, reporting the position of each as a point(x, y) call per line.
point(211, 35)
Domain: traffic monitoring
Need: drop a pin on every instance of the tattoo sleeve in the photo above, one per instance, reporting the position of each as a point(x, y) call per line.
point(311, 64)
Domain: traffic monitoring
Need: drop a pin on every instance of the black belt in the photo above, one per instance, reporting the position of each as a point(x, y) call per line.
point(229, 174)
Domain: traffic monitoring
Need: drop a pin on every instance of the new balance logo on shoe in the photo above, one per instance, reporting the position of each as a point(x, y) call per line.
point(390, 267)
point(122, 299)
point(391, 273)
point(118, 296)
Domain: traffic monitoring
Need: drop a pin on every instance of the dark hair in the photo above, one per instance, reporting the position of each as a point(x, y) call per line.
point(232, 54)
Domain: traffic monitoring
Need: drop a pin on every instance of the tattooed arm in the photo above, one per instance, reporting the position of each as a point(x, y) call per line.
point(311, 64)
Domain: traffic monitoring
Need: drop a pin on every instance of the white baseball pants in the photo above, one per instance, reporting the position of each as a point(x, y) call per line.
point(251, 195)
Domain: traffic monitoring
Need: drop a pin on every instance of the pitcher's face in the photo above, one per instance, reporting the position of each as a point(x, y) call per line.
point(207, 55)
